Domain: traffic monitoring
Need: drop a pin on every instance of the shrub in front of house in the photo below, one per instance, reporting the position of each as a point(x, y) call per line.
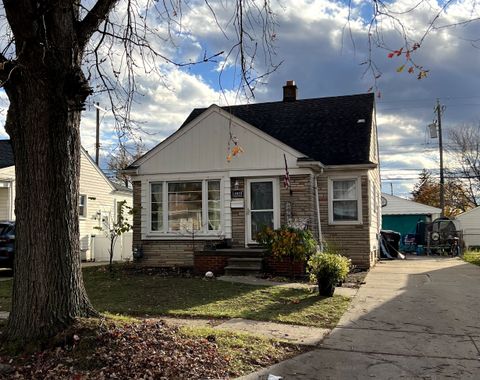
point(288, 242)
point(328, 270)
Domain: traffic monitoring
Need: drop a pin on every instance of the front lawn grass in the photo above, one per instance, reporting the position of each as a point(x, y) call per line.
point(5, 295)
point(472, 257)
point(245, 352)
point(141, 294)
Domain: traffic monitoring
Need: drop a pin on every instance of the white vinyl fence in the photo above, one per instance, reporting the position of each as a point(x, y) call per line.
point(100, 245)
point(471, 237)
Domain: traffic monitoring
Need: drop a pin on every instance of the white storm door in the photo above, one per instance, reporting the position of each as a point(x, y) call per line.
point(262, 206)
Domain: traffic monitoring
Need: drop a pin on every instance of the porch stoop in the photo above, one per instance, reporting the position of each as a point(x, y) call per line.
point(244, 266)
point(231, 261)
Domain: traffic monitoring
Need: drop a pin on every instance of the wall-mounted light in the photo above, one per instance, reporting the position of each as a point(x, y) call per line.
point(236, 185)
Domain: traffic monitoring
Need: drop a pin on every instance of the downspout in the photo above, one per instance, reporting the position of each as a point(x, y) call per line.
point(317, 205)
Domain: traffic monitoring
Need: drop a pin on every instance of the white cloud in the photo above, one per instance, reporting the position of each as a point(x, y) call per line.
point(318, 53)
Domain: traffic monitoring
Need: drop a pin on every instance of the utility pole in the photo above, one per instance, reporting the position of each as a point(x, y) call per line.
point(439, 110)
point(97, 141)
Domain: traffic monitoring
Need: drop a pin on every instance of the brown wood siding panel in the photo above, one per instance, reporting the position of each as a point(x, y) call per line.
point(351, 240)
point(302, 200)
point(238, 217)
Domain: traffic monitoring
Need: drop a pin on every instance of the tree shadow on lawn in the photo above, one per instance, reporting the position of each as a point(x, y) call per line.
point(154, 295)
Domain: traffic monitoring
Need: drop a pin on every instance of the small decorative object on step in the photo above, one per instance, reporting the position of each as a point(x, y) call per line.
point(209, 275)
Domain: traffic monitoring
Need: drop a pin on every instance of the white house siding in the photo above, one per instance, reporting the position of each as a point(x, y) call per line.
point(470, 224)
point(102, 202)
point(101, 199)
point(204, 149)
point(400, 206)
point(375, 213)
point(374, 141)
point(7, 193)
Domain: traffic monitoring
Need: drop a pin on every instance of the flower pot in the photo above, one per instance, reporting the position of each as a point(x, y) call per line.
point(326, 287)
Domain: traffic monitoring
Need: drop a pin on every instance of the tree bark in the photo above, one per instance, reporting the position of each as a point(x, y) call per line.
point(48, 290)
point(47, 91)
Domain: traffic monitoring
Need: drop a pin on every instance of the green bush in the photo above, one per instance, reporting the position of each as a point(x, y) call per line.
point(328, 269)
point(294, 243)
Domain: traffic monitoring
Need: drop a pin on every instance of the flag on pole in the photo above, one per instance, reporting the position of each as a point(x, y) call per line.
point(286, 177)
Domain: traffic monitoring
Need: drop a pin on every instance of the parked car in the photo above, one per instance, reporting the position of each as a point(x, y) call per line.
point(7, 244)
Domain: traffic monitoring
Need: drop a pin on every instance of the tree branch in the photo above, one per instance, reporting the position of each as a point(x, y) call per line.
point(93, 19)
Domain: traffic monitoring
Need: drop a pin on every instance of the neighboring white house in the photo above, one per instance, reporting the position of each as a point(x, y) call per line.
point(98, 205)
point(469, 222)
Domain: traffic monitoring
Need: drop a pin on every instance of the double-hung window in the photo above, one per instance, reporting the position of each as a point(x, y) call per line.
point(82, 206)
point(344, 195)
point(185, 206)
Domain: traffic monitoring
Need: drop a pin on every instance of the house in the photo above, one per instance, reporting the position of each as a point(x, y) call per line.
point(7, 181)
point(98, 205)
point(469, 223)
point(402, 215)
point(220, 177)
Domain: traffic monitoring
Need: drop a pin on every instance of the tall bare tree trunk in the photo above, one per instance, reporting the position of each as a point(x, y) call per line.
point(43, 122)
point(47, 90)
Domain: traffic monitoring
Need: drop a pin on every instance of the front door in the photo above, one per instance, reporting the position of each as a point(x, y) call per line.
point(262, 206)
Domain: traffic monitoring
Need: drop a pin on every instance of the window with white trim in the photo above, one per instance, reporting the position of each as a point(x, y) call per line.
point(185, 206)
point(344, 200)
point(156, 206)
point(82, 206)
point(214, 209)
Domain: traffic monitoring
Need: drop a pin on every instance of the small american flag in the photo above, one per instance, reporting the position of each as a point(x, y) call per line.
point(286, 177)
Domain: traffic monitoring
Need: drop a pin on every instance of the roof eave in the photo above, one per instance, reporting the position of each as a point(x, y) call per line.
point(352, 166)
point(303, 162)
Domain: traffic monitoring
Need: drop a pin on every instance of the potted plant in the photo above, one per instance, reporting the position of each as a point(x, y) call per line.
point(328, 270)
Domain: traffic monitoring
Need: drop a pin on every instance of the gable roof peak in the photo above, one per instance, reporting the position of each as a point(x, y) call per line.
point(334, 130)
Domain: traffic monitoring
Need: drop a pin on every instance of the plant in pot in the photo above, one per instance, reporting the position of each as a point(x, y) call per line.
point(328, 270)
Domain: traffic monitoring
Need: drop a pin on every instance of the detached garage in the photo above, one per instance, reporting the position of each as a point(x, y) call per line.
point(469, 222)
point(402, 215)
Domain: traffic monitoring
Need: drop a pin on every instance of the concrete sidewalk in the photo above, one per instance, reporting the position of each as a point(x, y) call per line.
point(417, 318)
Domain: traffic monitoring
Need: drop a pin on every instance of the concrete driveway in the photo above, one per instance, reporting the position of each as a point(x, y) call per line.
point(418, 318)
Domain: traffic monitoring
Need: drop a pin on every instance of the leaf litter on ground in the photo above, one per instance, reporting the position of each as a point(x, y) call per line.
point(148, 349)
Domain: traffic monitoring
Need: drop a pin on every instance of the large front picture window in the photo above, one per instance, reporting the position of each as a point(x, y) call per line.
point(344, 200)
point(185, 206)
point(189, 207)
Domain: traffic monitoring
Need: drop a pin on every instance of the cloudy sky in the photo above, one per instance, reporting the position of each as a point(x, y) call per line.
point(321, 44)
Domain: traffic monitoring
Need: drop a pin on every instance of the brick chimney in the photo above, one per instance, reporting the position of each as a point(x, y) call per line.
point(290, 91)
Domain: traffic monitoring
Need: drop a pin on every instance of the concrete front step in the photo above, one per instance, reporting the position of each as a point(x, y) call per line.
point(246, 262)
point(241, 271)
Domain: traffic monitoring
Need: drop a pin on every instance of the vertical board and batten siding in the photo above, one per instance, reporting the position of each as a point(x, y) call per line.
point(7, 194)
point(94, 184)
point(470, 224)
